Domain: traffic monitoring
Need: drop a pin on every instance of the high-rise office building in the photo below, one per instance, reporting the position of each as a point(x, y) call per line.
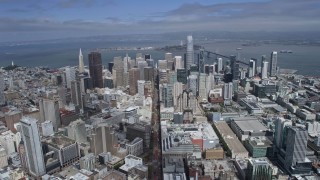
point(150, 62)
point(110, 66)
point(81, 64)
point(252, 67)
point(76, 95)
point(273, 64)
point(141, 66)
point(167, 96)
point(193, 83)
point(228, 91)
point(70, 76)
point(147, 56)
point(2, 87)
point(168, 56)
point(95, 68)
point(291, 147)
point(264, 70)
point(190, 52)
point(182, 76)
point(220, 64)
point(134, 76)
point(162, 64)
point(118, 72)
point(203, 86)
point(149, 74)
point(31, 139)
point(259, 169)
point(177, 91)
point(77, 131)
point(178, 64)
point(263, 58)
point(126, 63)
point(141, 84)
point(49, 111)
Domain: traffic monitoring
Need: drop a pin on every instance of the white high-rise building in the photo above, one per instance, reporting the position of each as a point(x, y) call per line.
point(190, 52)
point(273, 64)
point(177, 90)
point(126, 61)
point(228, 91)
point(210, 82)
point(264, 70)
point(70, 76)
point(178, 62)
point(193, 83)
point(49, 111)
point(252, 68)
point(202, 86)
point(219, 65)
point(162, 64)
point(81, 64)
point(31, 139)
point(141, 84)
point(77, 131)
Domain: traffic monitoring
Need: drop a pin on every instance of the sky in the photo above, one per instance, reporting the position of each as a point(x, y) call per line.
point(22, 20)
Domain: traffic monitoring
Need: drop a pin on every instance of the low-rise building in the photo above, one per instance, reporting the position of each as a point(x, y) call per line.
point(246, 127)
point(214, 153)
point(233, 146)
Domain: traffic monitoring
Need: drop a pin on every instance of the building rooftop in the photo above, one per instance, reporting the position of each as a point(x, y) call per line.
point(250, 125)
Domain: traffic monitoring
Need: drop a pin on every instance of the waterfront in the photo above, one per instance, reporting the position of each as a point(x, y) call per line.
point(305, 58)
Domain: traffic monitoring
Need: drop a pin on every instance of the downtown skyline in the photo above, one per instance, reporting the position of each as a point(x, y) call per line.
point(37, 20)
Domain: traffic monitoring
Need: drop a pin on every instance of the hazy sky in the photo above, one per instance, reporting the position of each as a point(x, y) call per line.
point(47, 19)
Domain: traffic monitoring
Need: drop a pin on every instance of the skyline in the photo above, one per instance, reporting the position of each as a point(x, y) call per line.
point(39, 20)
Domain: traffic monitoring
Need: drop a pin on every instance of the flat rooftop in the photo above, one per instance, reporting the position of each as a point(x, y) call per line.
point(251, 125)
point(224, 129)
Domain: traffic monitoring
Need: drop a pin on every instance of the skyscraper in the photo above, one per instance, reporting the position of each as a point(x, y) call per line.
point(49, 111)
point(134, 75)
point(228, 91)
point(70, 76)
point(76, 95)
point(190, 52)
point(296, 145)
point(259, 169)
point(167, 96)
point(219, 65)
point(141, 66)
point(202, 86)
point(149, 74)
point(264, 70)
point(118, 72)
point(193, 83)
point(81, 65)
point(162, 64)
point(95, 68)
point(126, 63)
point(273, 64)
point(178, 64)
point(252, 68)
point(31, 139)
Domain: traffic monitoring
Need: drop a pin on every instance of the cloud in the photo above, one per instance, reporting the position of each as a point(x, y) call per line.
point(83, 3)
point(275, 15)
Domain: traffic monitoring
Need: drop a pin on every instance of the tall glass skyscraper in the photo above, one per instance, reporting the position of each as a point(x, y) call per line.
point(31, 139)
point(273, 63)
point(190, 52)
point(95, 68)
